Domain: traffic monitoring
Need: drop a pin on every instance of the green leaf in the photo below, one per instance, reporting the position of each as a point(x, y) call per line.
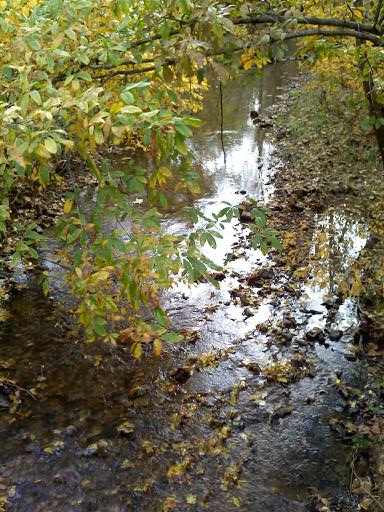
point(131, 109)
point(172, 337)
point(70, 33)
point(44, 174)
point(33, 253)
point(84, 76)
point(183, 130)
point(192, 121)
point(33, 43)
point(127, 97)
point(35, 95)
point(137, 85)
point(50, 146)
point(73, 236)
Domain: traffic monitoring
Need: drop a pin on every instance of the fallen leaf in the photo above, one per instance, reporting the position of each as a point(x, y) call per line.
point(126, 428)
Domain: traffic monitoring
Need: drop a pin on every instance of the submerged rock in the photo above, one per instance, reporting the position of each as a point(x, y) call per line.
point(181, 375)
point(254, 368)
point(316, 334)
point(335, 334)
point(248, 312)
point(69, 478)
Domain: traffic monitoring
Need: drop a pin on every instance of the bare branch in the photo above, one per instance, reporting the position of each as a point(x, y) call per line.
point(363, 36)
point(306, 20)
point(125, 72)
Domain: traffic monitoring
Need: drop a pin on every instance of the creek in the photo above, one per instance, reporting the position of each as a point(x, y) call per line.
point(107, 433)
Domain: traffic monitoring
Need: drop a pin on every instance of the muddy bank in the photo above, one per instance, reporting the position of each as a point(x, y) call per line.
point(241, 415)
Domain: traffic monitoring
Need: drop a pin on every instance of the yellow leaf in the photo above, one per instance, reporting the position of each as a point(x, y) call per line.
point(16, 155)
point(176, 469)
point(127, 464)
point(236, 501)
point(191, 499)
point(165, 171)
point(322, 237)
point(248, 65)
point(50, 146)
point(126, 428)
point(3, 4)
point(68, 205)
point(42, 152)
point(137, 351)
point(356, 287)
point(157, 347)
point(97, 277)
point(58, 40)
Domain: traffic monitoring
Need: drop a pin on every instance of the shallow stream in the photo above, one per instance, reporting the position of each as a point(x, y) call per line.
point(105, 433)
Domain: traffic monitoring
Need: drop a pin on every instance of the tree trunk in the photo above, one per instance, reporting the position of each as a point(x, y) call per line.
point(375, 111)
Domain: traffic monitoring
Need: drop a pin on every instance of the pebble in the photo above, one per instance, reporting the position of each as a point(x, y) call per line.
point(316, 334)
point(69, 478)
point(335, 334)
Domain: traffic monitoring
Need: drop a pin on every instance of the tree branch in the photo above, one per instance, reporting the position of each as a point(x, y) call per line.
point(269, 17)
point(128, 72)
point(363, 36)
point(306, 20)
point(361, 31)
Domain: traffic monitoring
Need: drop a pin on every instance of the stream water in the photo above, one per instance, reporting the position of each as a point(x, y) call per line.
point(225, 437)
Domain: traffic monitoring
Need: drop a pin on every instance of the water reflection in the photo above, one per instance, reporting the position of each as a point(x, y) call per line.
point(340, 237)
point(248, 148)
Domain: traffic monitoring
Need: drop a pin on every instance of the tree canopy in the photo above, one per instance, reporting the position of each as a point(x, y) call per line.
point(84, 76)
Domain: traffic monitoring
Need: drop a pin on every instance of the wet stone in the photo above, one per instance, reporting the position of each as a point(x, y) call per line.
point(68, 478)
point(315, 334)
point(335, 334)
point(248, 312)
point(4, 402)
point(254, 368)
point(90, 451)
point(33, 448)
point(245, 216)
point(70, 430)
point(137, 392)
point(251, 419)
point(181, 375)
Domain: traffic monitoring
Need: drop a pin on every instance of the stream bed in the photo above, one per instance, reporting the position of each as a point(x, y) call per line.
point(234, 418)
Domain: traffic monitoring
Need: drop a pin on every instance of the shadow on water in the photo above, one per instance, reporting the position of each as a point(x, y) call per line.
point(105, 433)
